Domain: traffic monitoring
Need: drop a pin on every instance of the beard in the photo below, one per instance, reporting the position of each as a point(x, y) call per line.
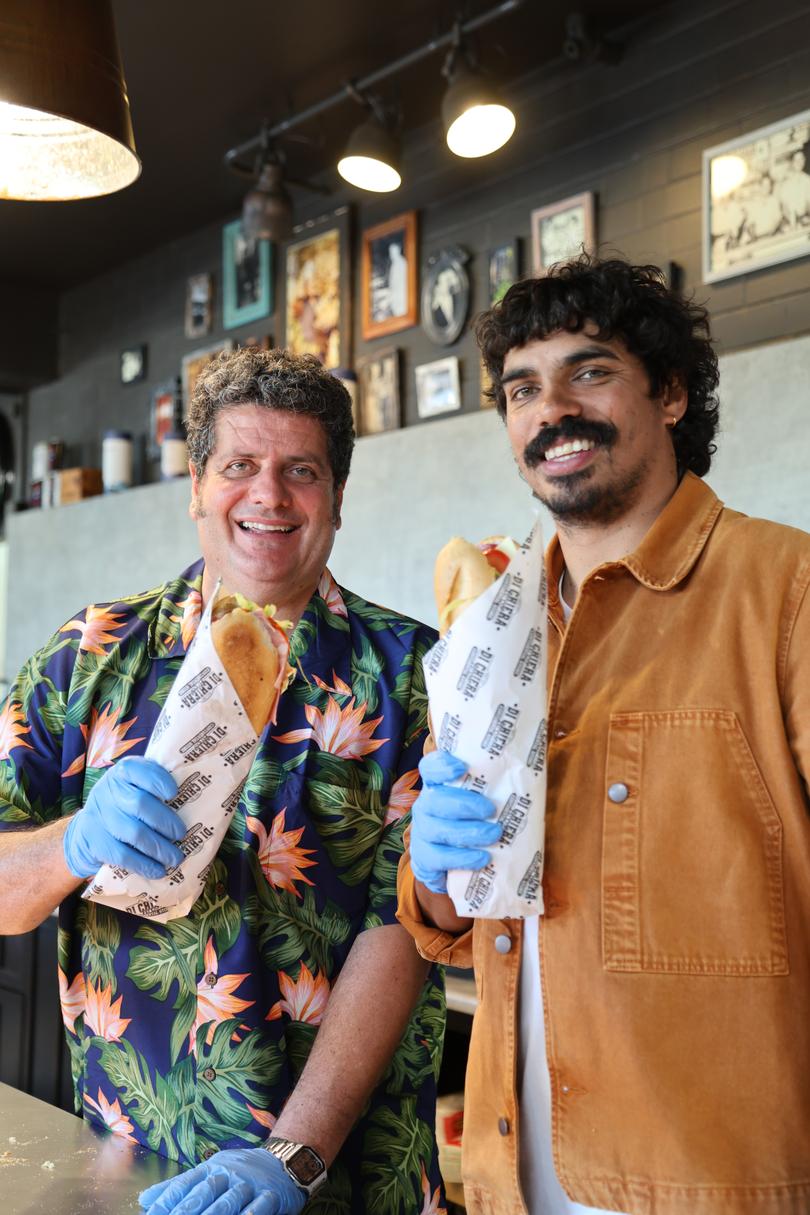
point(575, 498)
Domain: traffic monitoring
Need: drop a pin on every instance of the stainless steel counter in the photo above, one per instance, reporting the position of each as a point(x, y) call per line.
point(54, 1163)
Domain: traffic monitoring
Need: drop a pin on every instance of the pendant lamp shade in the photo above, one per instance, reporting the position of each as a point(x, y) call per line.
point(65, 127)
point(476, 120)
point(267, 212)
point(371, 159)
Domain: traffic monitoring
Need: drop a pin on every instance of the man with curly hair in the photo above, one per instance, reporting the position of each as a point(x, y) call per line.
point(644, 1045)
point(286, 1025)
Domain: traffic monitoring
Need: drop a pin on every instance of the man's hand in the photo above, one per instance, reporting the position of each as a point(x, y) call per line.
point(449, 827)
point(233, 1182)
point(126, 822)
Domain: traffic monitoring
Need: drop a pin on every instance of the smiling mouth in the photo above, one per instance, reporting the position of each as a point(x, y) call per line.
point(264, 529)
point(572, 447)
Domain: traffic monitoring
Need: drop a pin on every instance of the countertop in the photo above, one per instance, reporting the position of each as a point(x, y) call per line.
point(55, 1163)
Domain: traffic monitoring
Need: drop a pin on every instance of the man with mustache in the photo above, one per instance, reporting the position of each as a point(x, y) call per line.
point(644, 1045)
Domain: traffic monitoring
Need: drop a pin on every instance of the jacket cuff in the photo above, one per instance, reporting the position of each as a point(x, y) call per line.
point(431, 942)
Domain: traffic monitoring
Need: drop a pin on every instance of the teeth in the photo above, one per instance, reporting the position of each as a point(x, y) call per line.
point(264, 527)
point(569, 449)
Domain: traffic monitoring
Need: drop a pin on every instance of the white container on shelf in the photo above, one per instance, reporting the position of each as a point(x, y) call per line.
point(116, 460)
point(173, 456)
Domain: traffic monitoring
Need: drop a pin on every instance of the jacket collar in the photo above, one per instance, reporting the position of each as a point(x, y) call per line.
point(670, 548)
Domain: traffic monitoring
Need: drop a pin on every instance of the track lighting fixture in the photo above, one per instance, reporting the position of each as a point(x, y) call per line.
point(372, 156)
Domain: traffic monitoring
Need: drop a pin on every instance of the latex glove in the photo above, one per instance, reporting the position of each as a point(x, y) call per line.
point(449, 828)
point(125, 821)
point(236, 1181)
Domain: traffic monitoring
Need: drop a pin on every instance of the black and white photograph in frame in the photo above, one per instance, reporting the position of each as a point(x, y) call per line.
point(445, 295)
point(756, 199)
point(437, 387)
point(379, 392)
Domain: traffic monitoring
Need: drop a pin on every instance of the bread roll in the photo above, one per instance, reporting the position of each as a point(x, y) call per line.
point(248, 654)
point(462, 573)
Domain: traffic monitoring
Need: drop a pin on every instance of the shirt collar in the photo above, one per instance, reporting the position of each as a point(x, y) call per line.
point(670, 548)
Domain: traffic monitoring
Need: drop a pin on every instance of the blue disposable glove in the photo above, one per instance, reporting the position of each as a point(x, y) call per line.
point(233, 1182)
point(449, 827)
point(125, 821)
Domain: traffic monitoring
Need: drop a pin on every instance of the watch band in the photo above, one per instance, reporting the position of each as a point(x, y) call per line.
point(301, 1162)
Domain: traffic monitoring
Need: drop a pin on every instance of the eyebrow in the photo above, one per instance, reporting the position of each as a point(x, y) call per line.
point(305, 458)
point(570, 360)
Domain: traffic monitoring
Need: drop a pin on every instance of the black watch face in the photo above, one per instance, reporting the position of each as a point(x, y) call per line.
point(305, 1165)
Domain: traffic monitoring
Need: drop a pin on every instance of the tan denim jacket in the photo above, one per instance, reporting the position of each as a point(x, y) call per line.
point(676, 941)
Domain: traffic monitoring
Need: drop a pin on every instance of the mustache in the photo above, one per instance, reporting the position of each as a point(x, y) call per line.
point(602, 433)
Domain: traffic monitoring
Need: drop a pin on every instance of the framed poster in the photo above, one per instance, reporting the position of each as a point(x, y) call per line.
point(133, 364)
point(563, 230)
point(388, 288)
point(756, 199)
point(504, 269)
point(199, 305)
point(163, 415)
point(317, 289)
point(379, 392)
point(193, 364)
point(445, 294)
point(437, 388)
point(247, 285)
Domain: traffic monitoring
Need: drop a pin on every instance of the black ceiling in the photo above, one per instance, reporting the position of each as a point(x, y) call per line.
point(202, 75)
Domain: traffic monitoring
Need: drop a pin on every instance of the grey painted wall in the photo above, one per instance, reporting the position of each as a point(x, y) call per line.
point(703, 72)
point(408, 493)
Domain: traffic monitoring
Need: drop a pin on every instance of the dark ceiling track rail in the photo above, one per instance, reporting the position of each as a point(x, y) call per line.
point(242, 158)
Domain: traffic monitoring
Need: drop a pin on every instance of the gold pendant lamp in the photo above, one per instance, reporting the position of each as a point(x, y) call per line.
point(65, 126)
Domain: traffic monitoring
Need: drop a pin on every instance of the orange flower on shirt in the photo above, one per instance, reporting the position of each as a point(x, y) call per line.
point(282, 861)
point(71, 998)
point(12, 729)
point(192, 610)
point(341, 732)
point(97, 629)
point(403, 795)
point(304, 999)
point(431, 1205)
point(101, 1016)
point(340, 688)
point(329, 591)
point(215, 1003)
point(114, 1117)
point(105, 740)
point(263, 1117)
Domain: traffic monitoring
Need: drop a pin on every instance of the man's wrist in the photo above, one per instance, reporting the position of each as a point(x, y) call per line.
point(301, 1162)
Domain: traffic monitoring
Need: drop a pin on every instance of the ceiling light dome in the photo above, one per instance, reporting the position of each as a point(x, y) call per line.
point(371, 159)
point(267, 212)
point(476, 120)
point(65, 126)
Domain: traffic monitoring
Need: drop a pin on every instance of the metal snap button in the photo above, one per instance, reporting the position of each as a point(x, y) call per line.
point(503, 942)
point(503, 1126)
point(618, 792)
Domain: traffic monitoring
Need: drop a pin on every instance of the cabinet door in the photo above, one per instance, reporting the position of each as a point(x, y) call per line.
point(16, 982)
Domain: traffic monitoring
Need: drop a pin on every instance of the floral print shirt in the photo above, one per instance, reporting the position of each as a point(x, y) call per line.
point(188, 1037)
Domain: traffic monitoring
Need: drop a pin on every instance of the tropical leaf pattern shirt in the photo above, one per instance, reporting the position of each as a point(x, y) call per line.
point(188, 1037)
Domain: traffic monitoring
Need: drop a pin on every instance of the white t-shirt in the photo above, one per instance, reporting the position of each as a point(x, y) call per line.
point(541, 1189)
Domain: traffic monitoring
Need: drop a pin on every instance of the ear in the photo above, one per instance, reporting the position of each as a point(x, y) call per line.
point(338, 505)
point(674, 401)
point(195, 489)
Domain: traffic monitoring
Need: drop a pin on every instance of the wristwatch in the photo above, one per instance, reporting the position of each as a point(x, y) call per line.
point(302, 1163)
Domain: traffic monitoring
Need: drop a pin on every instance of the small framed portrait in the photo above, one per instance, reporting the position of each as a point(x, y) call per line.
point(247, 283)
point(199, 305)
point(165, 414)
point(437, 388)
point(317, 289)
point(132, 367)
point(445, 295)
point(563, 230)
point(389, 276)
point(193, 364)
point(756, 199)
point(504, 269)
point(379, 392)
point(485, 399)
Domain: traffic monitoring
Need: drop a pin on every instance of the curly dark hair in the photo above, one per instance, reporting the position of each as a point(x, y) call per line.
point(671, 336)
point(277, 379)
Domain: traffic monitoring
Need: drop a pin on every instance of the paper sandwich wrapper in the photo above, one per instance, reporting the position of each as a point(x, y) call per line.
point(486, 683)
point(204, 738)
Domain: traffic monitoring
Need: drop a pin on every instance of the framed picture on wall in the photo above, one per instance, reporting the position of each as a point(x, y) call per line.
point(163, 415)
point(388, 289)
point(562, 230)
point(247, 283)
point(445, 294)
point(437, 387)
point(379, 392)
point(199, 301)
point(317, 289)
point(504, 269)
point(193, 364)
point(756, 199)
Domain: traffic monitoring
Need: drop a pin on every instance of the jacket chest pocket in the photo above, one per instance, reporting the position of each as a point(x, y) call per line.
point(692, 877)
